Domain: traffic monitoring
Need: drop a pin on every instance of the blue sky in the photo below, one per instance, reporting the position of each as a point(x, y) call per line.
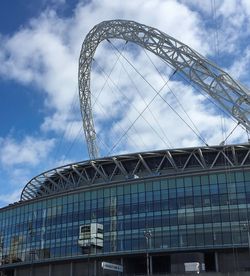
point(40, 44)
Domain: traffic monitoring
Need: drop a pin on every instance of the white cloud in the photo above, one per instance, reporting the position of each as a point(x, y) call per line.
point(11, 197)
point(19, 161)
point(30, 151)
point(62, 123)
point(45, 54)
point(240, 68)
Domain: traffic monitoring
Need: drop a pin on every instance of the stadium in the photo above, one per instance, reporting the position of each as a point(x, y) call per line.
point(169, 211)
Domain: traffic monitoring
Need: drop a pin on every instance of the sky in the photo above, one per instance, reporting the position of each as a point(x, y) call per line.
point(41, 124)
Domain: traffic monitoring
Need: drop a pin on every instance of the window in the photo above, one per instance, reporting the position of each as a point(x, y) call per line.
point(213, 178)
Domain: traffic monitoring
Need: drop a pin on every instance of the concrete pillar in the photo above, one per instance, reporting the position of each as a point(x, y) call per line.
point(71, 269)
point(122, 264)
point(50, 270)
point(151, 265)
point(31, 270)
point(216, 261)
point(95, 267)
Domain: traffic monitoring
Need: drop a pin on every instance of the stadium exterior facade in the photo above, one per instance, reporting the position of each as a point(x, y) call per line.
point(170, 207)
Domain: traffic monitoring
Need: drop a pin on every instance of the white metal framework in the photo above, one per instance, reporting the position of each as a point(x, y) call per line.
point(136, 166)
point(228, 93)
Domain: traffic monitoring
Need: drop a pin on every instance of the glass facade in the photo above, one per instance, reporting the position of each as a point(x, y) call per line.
point(205, 211)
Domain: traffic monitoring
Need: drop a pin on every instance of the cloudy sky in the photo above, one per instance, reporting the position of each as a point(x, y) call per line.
point(40, 40)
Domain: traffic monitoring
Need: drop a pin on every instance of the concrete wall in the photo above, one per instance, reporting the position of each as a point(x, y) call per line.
point(78, 270)
point(136, 265)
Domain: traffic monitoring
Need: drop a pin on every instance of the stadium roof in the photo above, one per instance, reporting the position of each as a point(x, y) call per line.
point(128, 167)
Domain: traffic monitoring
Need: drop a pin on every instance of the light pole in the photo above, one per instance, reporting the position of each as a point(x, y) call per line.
point(148, 236)
point(86, 249)
point(246, 227)
point(89, 251)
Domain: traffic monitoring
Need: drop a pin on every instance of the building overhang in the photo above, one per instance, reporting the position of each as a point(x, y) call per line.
point(136, 165)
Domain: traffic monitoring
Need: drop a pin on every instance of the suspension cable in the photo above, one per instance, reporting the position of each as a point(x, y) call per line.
point(211, 100)
point(96, 98)
point(152, 114)
point(140, 115)
point(73, 142)
point(135, 107)
point(157, 93)
point(104, 75)
point(171, 90)
point(106, 78)
point(224, 141)
point(104, 112)
point(63, 135)
point(109, 74)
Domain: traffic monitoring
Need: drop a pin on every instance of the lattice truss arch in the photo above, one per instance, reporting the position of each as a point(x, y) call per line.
point(132, 167)
point(228, 93)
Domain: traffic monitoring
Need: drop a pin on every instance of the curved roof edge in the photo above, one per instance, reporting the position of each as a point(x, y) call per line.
point(136, 165)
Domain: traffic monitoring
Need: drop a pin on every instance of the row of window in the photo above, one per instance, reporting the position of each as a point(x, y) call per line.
point(196, 185)
point(156, 214)
point(59, 215)
point(207, 210)
point(218, 219)
point(159, 240)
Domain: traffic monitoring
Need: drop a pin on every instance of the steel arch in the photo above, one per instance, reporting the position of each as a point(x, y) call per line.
point(230, 94)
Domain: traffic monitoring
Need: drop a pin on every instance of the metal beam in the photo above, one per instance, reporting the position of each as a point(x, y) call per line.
point(120, 166)
point(53, 181)
point(79, 174)
point(145, 164)
point(99, 171)
point(233, 97)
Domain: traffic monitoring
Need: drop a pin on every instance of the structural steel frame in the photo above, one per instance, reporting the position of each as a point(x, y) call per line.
point(133, 167)
point(228, 93)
